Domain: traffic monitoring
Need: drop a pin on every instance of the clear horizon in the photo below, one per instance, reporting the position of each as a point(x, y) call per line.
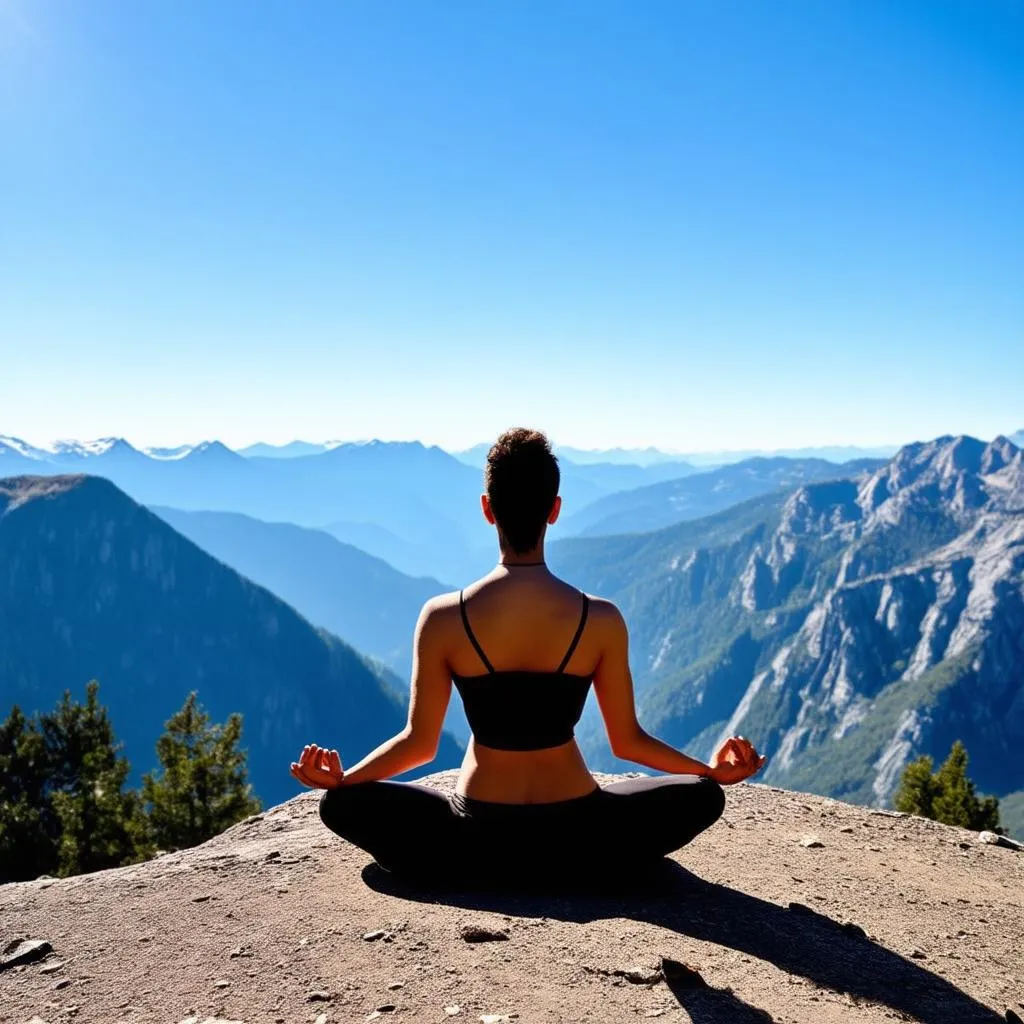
point(48, 444)
point(701, 227)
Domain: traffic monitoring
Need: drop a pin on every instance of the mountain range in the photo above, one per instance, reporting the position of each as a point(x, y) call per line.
point(421, 496)
point(96, 586)
point(847, 626)
point(848, 618)
point(643, 509)
point(414, 506)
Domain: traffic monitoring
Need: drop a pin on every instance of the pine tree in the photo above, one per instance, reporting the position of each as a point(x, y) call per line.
point(28, 826)
point(916, 794)
point(202, 786)
point(947, 795)
point(101, 825)
point(956, 803)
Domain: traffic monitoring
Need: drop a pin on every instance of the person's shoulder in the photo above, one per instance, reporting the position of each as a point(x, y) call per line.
point(440, 607)
point(606, 614)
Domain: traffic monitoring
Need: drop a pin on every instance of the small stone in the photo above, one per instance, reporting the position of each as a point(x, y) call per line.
point(377, 933)
point(37, 1020)
point(847, 828)
point(494, 1018)
point(320, 996)
point(640, 975)
point(63, 983)
point(222, 984)
point(994, 839)
point(395, 985)
point(918, 954)
point(478, 933)
point(655, 1013)
point(386, 1008)
point(681, 975)
point(811, 843)
point(452, 1011)
point(24, 951)
point(321, 1019)
point(203, 898)
point(51, 968)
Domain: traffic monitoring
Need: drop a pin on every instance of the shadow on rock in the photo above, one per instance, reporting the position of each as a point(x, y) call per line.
point(796, 939)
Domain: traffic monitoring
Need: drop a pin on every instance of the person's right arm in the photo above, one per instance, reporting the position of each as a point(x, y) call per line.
point(613, 686)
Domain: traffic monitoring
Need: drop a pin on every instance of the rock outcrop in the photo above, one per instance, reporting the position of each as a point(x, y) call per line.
point(847, 627)
point(793, 908)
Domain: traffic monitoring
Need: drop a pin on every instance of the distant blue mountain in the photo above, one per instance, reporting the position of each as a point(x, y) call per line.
point(291, 450)
point(358, 597)
point(701, 494)
point(421, 495)
point(477, 456)
point(95, 586)
point(416, 507)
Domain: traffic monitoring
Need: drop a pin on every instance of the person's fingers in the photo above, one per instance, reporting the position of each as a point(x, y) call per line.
point(748, 748)
point(735, 751)
point(336, 763)
point(749, 753)
point(309, 777)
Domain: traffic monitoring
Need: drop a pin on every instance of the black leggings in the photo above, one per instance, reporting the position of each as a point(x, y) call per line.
point(419, 832)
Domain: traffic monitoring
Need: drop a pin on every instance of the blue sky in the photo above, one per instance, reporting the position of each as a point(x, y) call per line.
point(691, 224)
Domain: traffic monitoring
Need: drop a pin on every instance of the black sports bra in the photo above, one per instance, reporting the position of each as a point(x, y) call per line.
point(519, 710)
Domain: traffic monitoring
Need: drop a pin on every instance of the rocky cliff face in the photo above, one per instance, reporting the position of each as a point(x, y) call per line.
point(92, 585)
point(793, 908)
point(849, 627)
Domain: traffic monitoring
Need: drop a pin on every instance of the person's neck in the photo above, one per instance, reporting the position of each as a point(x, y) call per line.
point(512, 560)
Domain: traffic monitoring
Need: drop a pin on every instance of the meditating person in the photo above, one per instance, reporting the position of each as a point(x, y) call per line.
point(523, 648)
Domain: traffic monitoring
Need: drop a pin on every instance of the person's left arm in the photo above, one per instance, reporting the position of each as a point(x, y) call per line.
point(430, 691)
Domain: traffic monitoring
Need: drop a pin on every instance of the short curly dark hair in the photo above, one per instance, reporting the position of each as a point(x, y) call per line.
point(522, 480)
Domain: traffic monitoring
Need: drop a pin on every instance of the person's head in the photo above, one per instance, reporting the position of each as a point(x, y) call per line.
point(521, 481)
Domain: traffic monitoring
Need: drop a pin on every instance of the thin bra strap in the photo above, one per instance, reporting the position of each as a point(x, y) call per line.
point(579, 633)
point(469, 632)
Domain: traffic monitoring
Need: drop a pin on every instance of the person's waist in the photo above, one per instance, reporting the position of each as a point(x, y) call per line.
point(473, 807)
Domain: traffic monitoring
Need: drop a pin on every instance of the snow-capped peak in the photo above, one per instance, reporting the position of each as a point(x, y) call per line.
point(22, 448)
point(90, 449)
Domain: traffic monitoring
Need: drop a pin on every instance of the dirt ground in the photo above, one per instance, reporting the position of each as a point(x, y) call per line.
point(278, 921)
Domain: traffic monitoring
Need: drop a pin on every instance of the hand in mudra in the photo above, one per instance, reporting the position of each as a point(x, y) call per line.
point(318, 767)
point(735, 761)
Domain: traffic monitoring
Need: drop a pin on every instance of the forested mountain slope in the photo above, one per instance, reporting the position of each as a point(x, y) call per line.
point(93, 585)
point(846, 626)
